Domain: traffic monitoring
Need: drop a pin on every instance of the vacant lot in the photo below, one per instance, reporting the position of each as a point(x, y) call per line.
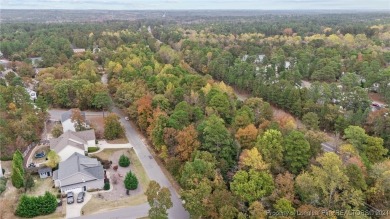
point(117, 197)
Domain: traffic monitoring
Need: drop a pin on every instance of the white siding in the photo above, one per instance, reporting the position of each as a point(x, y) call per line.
point(91, 143)
point(68, 151)
point(68, 125)
point(95, 184)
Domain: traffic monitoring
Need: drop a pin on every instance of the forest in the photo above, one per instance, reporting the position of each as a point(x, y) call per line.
point(179, 80)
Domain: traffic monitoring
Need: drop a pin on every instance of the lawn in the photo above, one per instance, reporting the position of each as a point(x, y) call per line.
point(116, 198)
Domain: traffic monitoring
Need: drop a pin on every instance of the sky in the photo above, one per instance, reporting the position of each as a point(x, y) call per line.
point(197, 4)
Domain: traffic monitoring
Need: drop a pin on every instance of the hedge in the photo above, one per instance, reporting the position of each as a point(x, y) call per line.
point(93, 149)
point(32, 206)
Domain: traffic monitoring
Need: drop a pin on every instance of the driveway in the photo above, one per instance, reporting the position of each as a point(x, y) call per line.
point(74, 210)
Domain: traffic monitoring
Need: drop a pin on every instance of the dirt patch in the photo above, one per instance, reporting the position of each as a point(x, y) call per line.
point(97, 122)
point(41, 186)
point(377, 97)
point(117, 197)
point(118, 141)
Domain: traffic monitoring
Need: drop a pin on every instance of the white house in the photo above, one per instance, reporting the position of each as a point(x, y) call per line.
point(71, 142)
point(66, 121)
point(79, 173)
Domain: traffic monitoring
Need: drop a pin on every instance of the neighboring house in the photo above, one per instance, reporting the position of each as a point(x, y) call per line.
point(35, 61)
point(66, 121)
point(45, 172)
point(71, 142)
point(78, 50)
point(79, 173)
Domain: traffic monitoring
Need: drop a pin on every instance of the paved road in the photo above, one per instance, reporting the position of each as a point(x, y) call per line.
point(133, 212)
point(327, 147)
point(55, 114)
point(151, 167)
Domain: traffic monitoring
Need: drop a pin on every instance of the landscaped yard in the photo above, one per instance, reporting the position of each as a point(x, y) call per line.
point(9, 199)
point(117, 197)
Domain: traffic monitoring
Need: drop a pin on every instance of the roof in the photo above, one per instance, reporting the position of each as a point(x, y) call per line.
point(68, 115)
point(79, 168)
point(44, 170)
point(71, 138)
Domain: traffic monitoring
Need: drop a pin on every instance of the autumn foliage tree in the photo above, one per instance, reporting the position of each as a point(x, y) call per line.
point(247, 136)
point(145, 112)
point(186, 142)
point(112, 127)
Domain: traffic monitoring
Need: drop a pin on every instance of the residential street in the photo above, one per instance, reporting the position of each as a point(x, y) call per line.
point(132, 212)
point(151, 167)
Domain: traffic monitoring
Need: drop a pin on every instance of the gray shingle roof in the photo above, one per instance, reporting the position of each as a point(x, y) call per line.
point(79, 168)
point(68, 115)
point(70, 138)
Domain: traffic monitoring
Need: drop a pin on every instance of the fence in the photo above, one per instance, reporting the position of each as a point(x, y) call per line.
point(32, 145)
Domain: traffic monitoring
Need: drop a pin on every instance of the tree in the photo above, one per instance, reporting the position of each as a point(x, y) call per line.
point(252, 185)
point(79, 120)
point(131, 181)
point(284, 207)
point(186, 142)
point(41, 103)
point(284, 187)
point(57, 130)
point(251, 159)
point(159, 200)
point(356, 136)
point(256, 210)
point(53, 159)
point(270, 146)
point(247, 136)
point(375, 151)
point(17, 175)
point(124, 161)
point(145, 112)
point(297, 151)
point(28, 182)
point(102, 101)
point(311, 121)
point(112, 127)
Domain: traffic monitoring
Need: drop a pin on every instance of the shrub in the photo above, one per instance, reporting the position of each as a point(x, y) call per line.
point(106, 186)
point(115, 167)
point(3, 183)
point(93, 149)
point(124, 161)
point(131, 181)
point(31, 206)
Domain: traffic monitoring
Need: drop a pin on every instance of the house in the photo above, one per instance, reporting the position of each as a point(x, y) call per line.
point(35, 61)
point(71, 142)
point(78, 50)
point(79, 173)
point(66, 121)
point(45, 172)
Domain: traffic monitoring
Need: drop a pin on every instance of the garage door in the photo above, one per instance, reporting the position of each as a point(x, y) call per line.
point(74, 190)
